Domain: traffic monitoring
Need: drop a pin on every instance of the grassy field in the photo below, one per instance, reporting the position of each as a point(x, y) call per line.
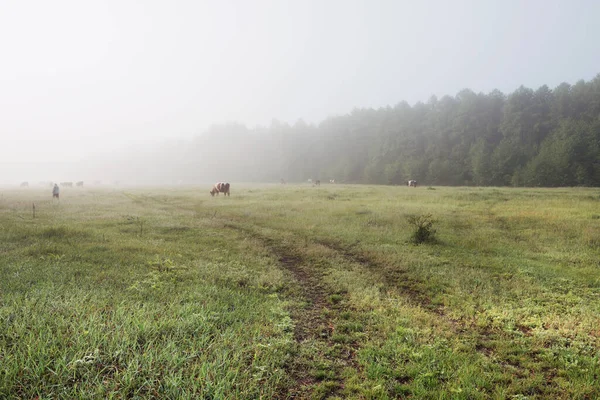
point(300, 292)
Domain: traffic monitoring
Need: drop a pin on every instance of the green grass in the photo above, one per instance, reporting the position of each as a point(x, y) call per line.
point(299, 291)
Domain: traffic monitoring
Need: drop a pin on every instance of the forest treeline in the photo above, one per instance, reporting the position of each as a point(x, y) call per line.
point(544, 137)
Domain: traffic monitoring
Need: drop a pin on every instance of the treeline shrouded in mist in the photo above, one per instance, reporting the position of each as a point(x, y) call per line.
point(544, 137)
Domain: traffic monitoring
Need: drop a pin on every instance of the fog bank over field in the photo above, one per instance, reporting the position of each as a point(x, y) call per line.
point(226, 152)
point(541, 137)
point(126, 90)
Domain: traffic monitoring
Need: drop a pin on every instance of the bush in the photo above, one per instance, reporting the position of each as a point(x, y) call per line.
point(423, 225)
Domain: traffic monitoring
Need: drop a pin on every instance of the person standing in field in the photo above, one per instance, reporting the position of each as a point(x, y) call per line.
point(55, 191)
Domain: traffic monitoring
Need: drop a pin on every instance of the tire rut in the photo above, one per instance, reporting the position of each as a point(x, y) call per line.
point(314, 323)
point(483, 336)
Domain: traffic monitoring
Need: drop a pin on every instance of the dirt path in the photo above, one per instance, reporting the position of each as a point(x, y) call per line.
point(315, 369)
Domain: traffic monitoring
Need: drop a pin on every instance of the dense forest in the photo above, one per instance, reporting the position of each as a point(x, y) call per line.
point(543, 137)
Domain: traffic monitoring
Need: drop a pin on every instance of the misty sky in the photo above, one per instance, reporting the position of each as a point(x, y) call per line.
point(78, 78)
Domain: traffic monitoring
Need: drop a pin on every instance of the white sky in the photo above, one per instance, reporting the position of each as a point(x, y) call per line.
point(84, 77)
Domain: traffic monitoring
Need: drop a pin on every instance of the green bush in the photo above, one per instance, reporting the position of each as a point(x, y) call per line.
point(423, 228)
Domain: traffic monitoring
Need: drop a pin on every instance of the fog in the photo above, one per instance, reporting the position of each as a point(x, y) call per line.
point(128, 90)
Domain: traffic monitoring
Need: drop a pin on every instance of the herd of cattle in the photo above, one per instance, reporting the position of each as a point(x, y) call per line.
point(219, 187)
point(51, 184)
point(316, 182)
point(67, 184)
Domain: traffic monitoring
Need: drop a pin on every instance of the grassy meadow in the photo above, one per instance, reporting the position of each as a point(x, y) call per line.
point(293, 291)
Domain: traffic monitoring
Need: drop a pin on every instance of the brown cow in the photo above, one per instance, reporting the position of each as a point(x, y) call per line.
point(220, 187)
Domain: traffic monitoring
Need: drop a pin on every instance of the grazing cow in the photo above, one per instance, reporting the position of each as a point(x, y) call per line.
point(24, 184)
point(282, 181)
point(412, 183)
point(66, 184)
point(80, 184)
point(317, 183)
point(55, 192)
point(220, 187)
point(332, 181)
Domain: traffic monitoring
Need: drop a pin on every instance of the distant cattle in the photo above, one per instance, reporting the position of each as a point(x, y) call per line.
point(97, 182)
point(24, 184)
point(332, 181)
point(282, 181)
point(66, 184)
point(412, 183)
point(220, 187)
point(317, 183)
point(309, 180)
point(79, 184)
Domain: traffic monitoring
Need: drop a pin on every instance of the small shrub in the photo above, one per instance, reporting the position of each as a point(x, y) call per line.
point(423, 225)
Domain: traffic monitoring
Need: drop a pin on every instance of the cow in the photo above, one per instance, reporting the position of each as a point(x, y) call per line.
point(309, 180)
point(220, 187)
point(66, 184)
point(282, 181)
point(79, 184)
point(332, 181)
point(317, 182)
point(412, 183)
point(24, 184)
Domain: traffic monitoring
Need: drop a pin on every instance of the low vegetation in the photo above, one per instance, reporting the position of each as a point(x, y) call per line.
point(295, 291)
point(423, 228)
